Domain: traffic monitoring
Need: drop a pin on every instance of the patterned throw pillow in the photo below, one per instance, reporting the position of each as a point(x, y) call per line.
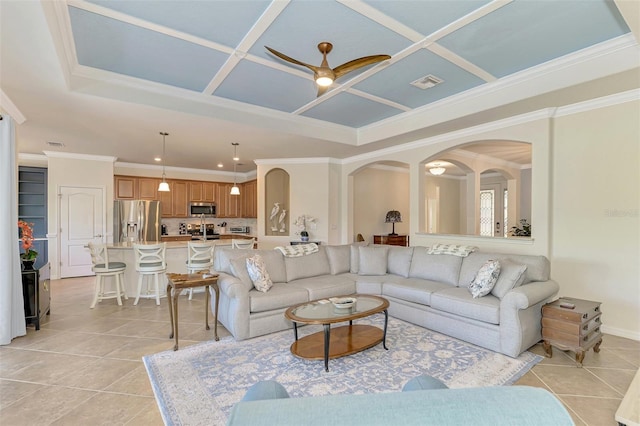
point(485, 279)
point(258, 273)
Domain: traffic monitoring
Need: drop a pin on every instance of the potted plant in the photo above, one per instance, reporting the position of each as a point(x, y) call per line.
point(524, 230)
point(301, 223)
point(29, 256)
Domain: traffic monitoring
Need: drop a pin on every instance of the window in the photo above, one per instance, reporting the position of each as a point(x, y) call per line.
point(486, 212)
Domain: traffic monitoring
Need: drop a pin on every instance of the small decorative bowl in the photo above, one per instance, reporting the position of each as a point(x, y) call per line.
point(343, 302)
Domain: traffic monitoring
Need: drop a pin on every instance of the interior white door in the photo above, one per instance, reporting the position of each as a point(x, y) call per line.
point(81, 221)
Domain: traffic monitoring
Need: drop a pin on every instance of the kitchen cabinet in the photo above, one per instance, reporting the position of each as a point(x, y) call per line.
point(148, 188)
point(202, 191)
point(249, 195)
point(227, 205)
point(125, 187)
point(174, 203)
point(175, 238)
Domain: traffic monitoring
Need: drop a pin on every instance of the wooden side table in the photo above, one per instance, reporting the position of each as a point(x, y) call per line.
point(576, 329)
point(179, 282)
point(392, 240)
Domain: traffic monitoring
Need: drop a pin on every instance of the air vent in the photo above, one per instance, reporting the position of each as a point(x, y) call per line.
point(56, 144)
point(427, 82)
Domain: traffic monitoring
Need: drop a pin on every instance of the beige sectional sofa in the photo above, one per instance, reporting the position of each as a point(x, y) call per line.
point(426, 289)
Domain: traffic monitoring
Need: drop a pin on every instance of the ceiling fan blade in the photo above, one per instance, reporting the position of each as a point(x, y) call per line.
point(347, 67)
point(288, 59)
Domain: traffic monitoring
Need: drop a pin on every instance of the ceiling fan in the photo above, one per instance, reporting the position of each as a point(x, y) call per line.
point(325, 75)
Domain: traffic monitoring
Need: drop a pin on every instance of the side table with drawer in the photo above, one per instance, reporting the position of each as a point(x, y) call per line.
point(576, 329)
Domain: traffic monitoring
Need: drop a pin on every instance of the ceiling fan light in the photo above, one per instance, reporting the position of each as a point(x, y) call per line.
point(324, 81)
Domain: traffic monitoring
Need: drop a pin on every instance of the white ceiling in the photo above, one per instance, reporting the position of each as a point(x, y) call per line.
point(105, 77)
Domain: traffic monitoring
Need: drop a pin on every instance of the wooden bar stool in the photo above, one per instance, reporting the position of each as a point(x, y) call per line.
point(103, 268)
point(150, 262)
point(199, 258)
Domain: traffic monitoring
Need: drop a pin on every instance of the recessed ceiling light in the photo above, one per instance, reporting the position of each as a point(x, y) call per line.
point(157, 159)
point(55, 144)
point(220, 165)
point(427, 82)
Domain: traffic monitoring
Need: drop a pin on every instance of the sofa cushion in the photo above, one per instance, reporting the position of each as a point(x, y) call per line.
point(436, 267)
point(280, 296)
point(373, 260)
point(399, 260)
point(310, 265)
point(458, 301)
point(511, 276)
point(537, 266)
point(339, 258)
point(355, 256)
point(370, 284)
point(485, 279)
point(273, 259)
point(414, 290)
point(239, 270)
point(258, 273)
point(322, 287)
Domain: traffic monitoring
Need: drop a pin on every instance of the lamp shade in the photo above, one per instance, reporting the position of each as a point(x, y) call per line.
point(235, 190)
point(393, 216)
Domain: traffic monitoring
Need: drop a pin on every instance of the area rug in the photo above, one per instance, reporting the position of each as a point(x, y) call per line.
point(200, 384)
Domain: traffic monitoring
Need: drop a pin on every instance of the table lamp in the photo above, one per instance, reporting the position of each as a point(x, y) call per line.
point(393, 216)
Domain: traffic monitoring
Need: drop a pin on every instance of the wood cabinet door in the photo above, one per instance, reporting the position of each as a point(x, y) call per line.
point(166, 201)
point(195, 191)
point(180, 198)
point(148, 188)
point(249, 194)
point(209, 190)
point(125, 188)
point(222, 199)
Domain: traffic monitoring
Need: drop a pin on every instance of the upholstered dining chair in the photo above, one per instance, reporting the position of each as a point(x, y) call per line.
point(241, 243)
point(150, 263)
point(199, 258)
point(102, 267)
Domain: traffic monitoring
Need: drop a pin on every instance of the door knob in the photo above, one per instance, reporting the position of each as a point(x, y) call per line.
point(97, 236)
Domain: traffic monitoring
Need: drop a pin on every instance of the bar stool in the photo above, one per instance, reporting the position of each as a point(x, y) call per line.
point(199, 257)
point(103, 268)
point(150, 261)
point(242, 243)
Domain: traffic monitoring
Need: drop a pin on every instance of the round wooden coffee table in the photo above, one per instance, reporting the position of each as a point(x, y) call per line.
point(341, 341)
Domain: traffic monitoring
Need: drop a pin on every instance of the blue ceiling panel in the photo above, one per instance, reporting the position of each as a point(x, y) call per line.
point(267, 87)
point(526, 33)
point(115, 46)
point(351, 110)
point(304, 24)
point(426, 17)
point(393, 82)
point(225, 22)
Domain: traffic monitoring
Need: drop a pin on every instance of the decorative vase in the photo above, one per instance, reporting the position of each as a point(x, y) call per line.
point(27, 264)
point(304, 236)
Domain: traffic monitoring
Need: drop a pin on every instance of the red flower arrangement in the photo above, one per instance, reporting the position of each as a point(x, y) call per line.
point(27, 240)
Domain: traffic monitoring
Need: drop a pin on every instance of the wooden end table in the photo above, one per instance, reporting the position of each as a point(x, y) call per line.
point(179, 282)
point(575, 326)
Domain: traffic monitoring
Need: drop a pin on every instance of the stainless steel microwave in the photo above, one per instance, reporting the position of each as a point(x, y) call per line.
point(199, 209)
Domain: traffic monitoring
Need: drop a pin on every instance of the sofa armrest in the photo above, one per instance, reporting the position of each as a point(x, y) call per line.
point(529, 294)
point(231, 286)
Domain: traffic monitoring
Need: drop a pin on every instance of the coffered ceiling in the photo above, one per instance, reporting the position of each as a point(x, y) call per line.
point(104, 77)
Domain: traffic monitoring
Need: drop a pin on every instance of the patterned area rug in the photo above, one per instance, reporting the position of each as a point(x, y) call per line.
point(201, 383)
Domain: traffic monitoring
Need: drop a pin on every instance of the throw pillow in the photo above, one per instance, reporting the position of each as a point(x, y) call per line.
point(485, 279)
point(400, 260)
point(354, 263)
point(511, 276)
point(339, 259)
point(373, 260)
point(258, 273)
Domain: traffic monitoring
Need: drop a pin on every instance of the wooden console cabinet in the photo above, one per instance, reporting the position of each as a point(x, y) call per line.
point(392, 240)
point(576, 329)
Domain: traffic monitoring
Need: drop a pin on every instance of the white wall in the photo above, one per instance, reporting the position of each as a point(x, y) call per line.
point(450, 210)
point(78, 171)
point(595, 203)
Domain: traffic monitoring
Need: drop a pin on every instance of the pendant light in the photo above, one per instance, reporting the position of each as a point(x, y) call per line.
point(234, 189)
point(164, 186)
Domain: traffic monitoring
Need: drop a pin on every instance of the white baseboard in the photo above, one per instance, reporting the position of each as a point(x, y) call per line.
point(621, 332)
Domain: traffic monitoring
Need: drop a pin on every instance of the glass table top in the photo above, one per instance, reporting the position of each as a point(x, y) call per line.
point(324, 309)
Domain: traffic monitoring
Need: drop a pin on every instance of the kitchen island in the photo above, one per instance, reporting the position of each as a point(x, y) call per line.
point(176, 256)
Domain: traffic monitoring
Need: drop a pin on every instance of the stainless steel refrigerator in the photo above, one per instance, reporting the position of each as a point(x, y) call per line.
point(136, 221)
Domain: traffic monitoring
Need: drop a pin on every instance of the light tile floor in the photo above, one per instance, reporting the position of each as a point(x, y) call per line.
point(84, 365)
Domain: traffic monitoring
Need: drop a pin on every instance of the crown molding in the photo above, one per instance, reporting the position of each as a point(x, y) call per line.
point(603, 102)
point(7, 105)
point(310, 160)
point(74, 156)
